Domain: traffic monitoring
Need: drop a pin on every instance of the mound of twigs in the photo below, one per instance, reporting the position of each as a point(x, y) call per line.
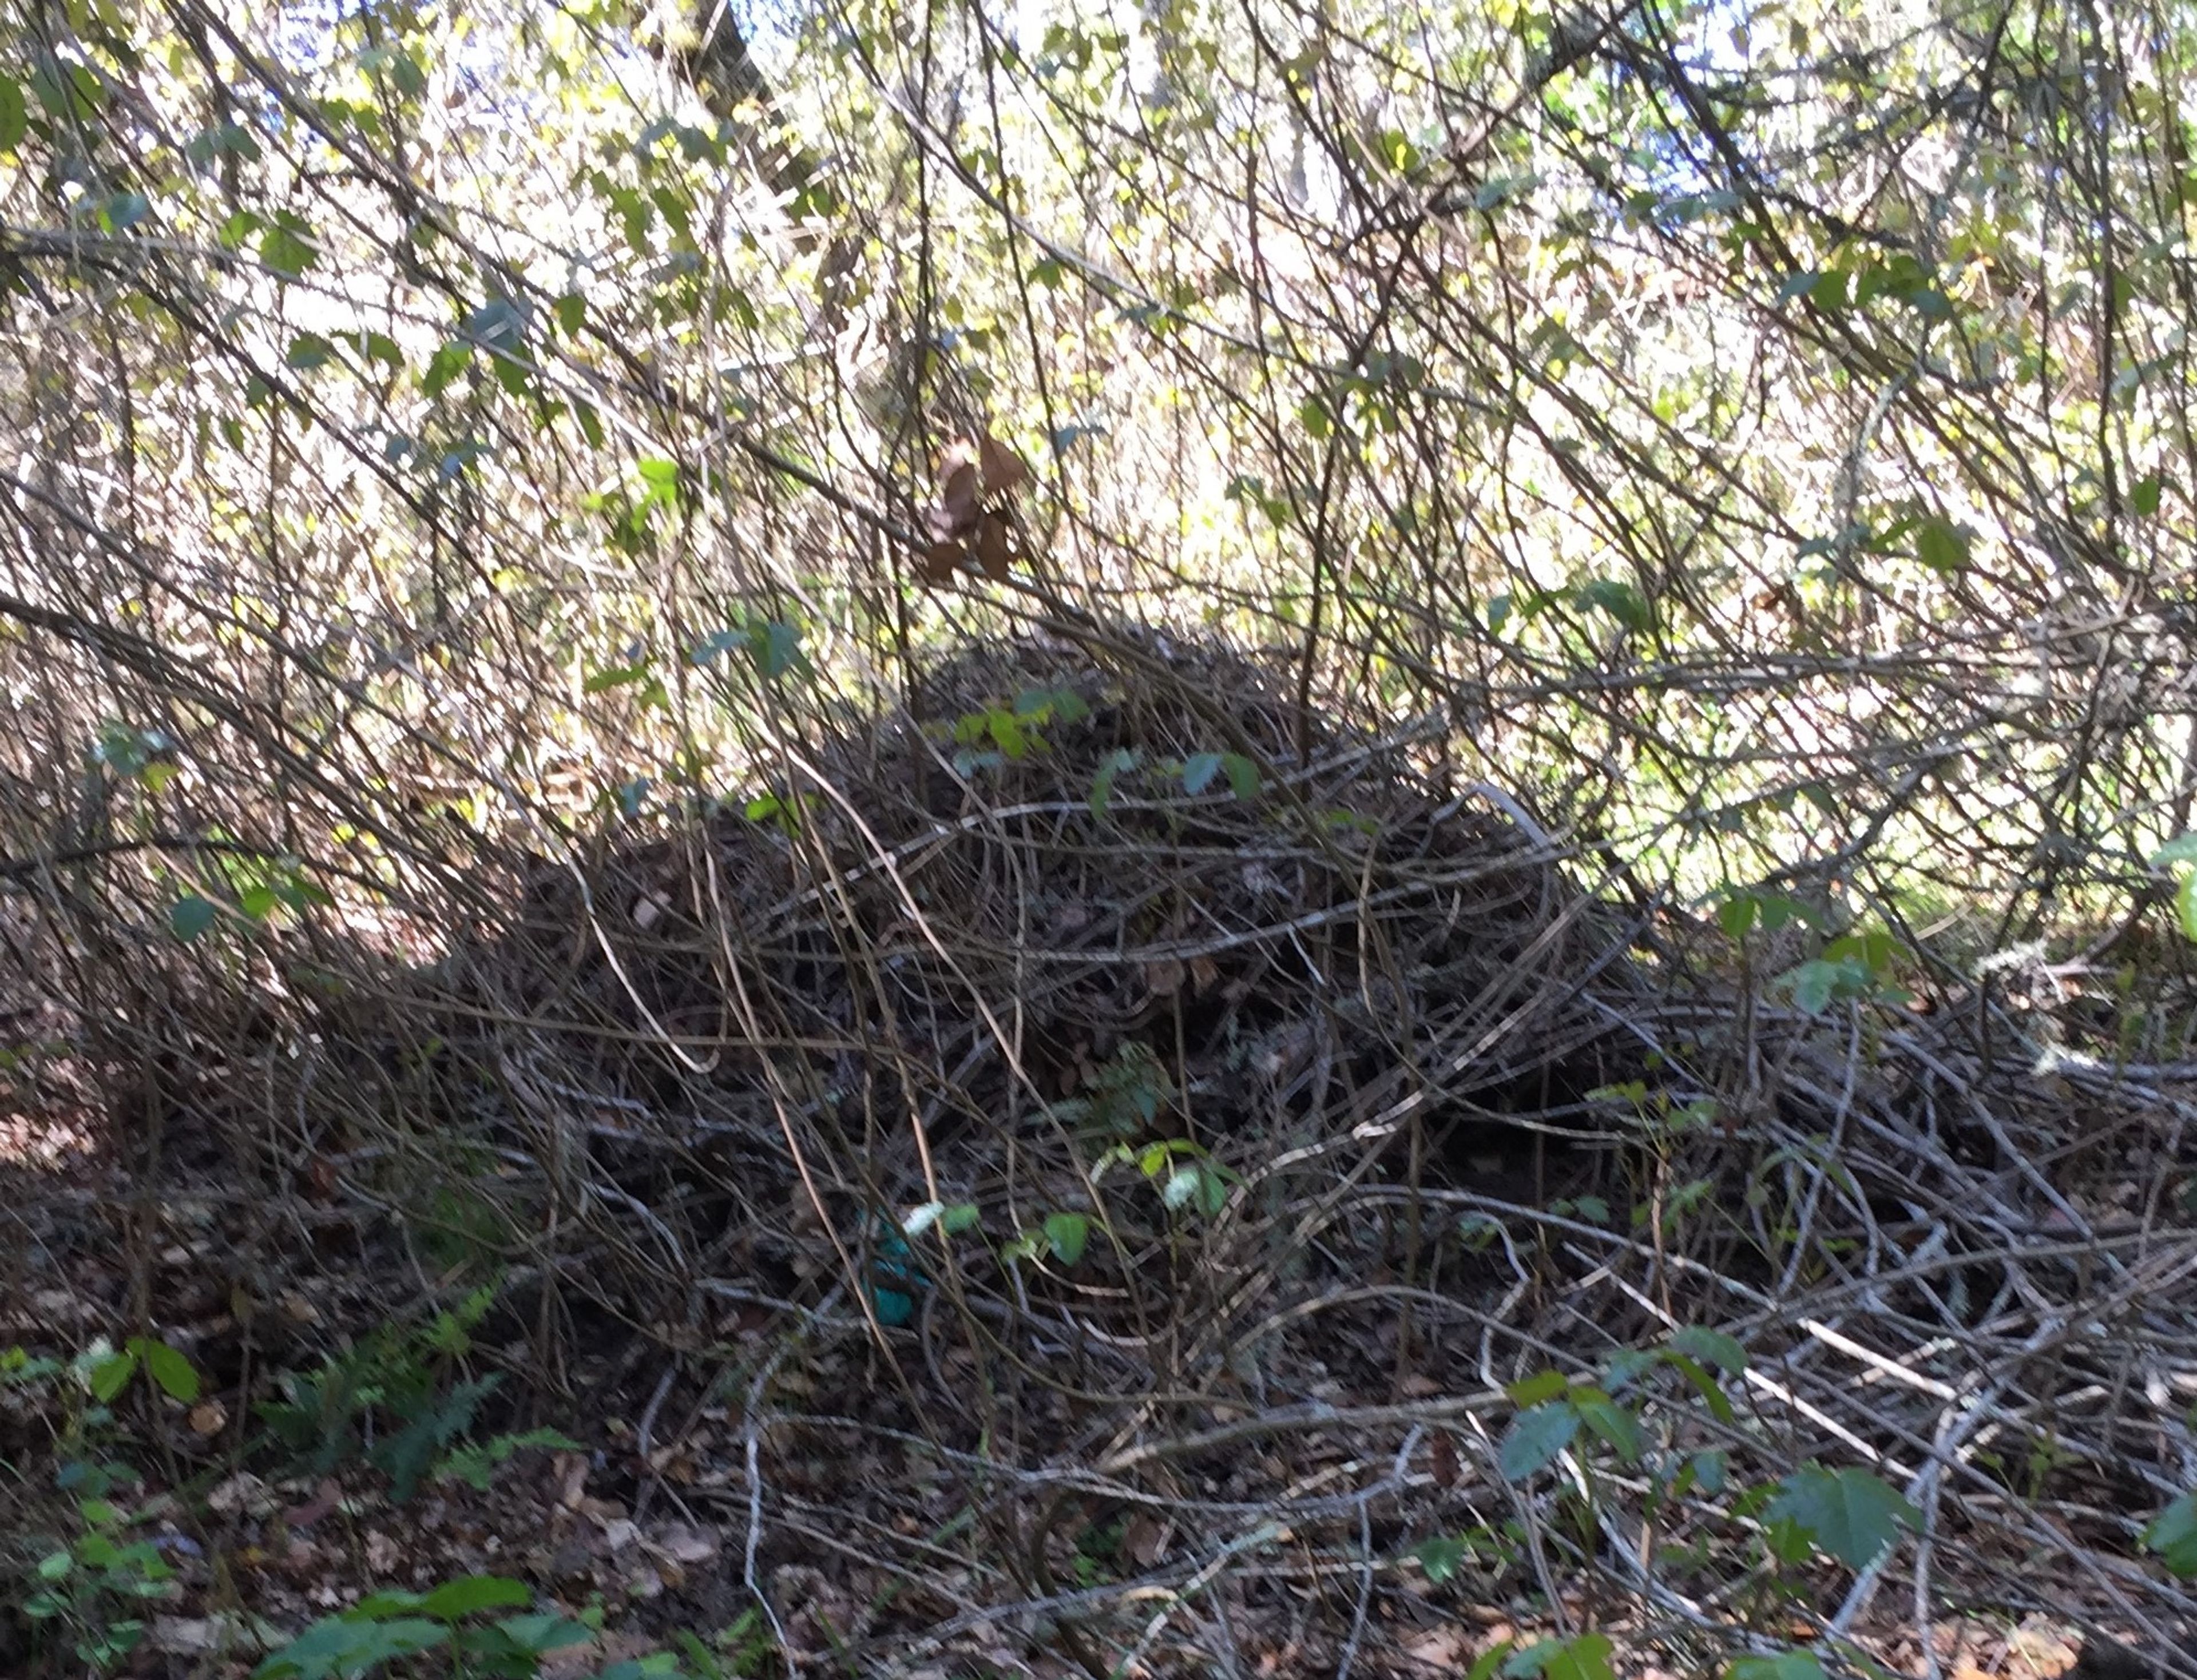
point(1060, 911)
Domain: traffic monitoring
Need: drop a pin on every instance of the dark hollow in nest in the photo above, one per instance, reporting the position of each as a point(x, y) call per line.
point(1071, 898)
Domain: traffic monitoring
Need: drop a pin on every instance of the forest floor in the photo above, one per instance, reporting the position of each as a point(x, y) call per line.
point(1084, 1208)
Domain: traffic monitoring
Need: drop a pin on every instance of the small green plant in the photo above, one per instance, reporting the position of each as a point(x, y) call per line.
point(1097, 1556)
point(458, 1621)
point(1013, 733)
point(744, 1650)
point(109, 1374)
point(1122, 1097)
point(1444, 1557)
point(1552, 1411)
point(397, 1401)
point(1849, 1513)
point(1794, 1664)
point(90, 1580)
point(1063, 1234)
point(1584, 1657)
point(91, 1585)
point(2173, 1535)
point(2178, 855)
point(1853, 967)
point(1201, 769)
point(1183, 1171)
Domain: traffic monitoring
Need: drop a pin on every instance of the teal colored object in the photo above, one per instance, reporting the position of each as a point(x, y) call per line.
point(894, 1279)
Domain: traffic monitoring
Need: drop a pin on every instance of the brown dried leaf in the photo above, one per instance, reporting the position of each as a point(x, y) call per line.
point(1145, 1539)
point(688, 1545)
point(992, 547)
point(961, 486)
point(1204, 973)
point(1444, 1455)
point(937, 562)
point(242, 1492)
point(1003, 469)
point(207, 1417)
point(1164, 977)
point(571, 1478)
point(326, 1497)
point(1439, 1650)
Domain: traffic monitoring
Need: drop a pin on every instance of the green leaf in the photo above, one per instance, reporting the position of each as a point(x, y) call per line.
point(1708, 1468)
point(167, 1368)
point(341, 1649)
point(1711, 1348)
point(1736, 914)
point(1940, 546)
point(1620, 600)
point(1441, 1557)
point(2144, 497)
point(442, 367)
point(1814, 983)
point(14, 114)
point(289, 246)
point(2173, 1535)
point(1533, 1390)
point(1586, 1658)
point(462, 1597)
point(1850, 1513)
point(309, 351)
point(56, 1566)
point(1536, 1437)
point(1244, 779)
point(776, 650)
point(1697, 1374)
point(1491, 1660)
point(112, 1374)
point(476, 1464)
point(191, 915)
point(1797, 284)
point(2182, 849)
point(1199, 771)
point(1611, 1421)
point(1066, 1235)
point(657, 1666)
point(544, 1631)
point(1785, 1666)
point(1102, 784)
point(2185, 904)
